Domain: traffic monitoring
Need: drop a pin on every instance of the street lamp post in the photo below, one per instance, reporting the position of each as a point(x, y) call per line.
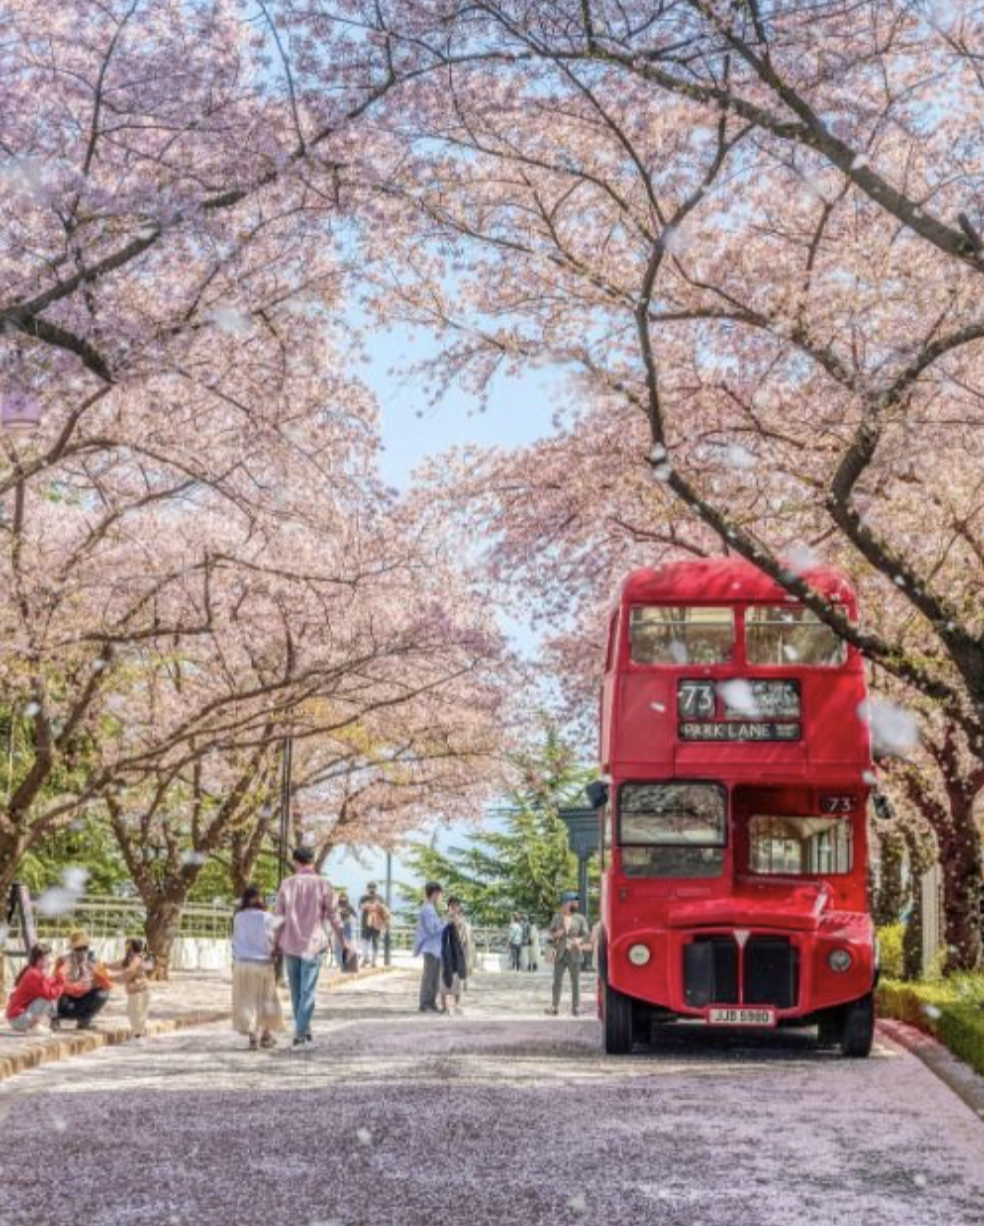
point(20, 417)
point(583, 839)
point(285, 787)
point(387, 937)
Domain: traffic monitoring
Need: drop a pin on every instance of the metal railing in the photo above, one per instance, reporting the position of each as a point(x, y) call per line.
point(106, 918)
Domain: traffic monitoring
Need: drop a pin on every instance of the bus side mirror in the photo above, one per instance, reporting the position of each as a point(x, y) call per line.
point(884, 808)
point(597, 794)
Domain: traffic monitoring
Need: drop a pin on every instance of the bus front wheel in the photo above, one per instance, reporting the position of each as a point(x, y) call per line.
point(858, 1028)
point(618, 1022)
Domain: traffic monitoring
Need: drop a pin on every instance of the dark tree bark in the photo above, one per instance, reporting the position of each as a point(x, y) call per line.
point(960, 860)
point(161, 929)
point(892, 893)
point(949, 810)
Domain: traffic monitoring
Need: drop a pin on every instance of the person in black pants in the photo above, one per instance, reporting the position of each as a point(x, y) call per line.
point(83, 996)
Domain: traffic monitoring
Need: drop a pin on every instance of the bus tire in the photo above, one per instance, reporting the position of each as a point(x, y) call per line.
point(858, 1029)
point(618, 1023)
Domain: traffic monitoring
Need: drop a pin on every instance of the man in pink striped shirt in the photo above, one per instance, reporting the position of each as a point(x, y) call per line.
point(305, 905)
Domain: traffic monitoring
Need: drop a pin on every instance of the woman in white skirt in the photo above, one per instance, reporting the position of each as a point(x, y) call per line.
point(256, 1007)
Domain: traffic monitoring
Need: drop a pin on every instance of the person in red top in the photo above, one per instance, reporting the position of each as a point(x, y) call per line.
point(35, 993)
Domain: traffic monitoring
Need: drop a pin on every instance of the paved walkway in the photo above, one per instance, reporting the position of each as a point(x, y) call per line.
point(502, 1116)
point(188, 999)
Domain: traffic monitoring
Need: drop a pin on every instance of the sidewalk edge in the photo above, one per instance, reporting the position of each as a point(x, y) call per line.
point(957, 1076)
point(66, 1045)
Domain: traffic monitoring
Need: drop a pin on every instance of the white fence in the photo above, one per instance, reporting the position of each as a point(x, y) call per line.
point(203, 942)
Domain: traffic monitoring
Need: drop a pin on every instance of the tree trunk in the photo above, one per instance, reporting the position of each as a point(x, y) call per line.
point(960, 860)
point(890, 898)
point(912, 941)
point(12, 851)
point(161, 929)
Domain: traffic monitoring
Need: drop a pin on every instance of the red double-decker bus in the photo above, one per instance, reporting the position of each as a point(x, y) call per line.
point(737, 768)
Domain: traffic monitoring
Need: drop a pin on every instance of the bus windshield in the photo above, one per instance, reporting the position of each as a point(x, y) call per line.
point(800, 846)
point(681, 635)
point(672, 829)
point(778, 634)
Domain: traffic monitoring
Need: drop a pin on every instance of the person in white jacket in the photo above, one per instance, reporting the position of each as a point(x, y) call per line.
point(256, 1010)
point(533, 949)
point(515, 939)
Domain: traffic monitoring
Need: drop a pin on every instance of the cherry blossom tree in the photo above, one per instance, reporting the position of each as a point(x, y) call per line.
point(727, 224)
point(153, 155)
point(394, 718)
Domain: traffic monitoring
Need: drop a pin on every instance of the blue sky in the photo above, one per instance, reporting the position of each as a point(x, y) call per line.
point(519, 411)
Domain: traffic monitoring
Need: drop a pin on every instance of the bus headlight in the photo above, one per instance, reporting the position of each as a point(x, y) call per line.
point(839, 960)
point(639, 955)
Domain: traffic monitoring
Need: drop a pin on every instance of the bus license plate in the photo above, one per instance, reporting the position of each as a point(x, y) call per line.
point(741, 1017)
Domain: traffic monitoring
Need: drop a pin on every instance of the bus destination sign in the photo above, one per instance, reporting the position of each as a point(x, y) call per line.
point(735, 730)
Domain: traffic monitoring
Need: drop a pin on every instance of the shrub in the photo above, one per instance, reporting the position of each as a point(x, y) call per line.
point(951, 1010)
point(890, 950)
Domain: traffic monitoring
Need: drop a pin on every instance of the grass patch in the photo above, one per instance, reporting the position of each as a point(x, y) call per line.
point(951, 1010)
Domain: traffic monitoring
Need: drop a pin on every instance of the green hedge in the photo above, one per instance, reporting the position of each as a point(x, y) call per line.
point(890, 938)
point(951, 1010)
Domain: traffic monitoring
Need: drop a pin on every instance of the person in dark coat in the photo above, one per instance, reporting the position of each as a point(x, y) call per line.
point(454, 959)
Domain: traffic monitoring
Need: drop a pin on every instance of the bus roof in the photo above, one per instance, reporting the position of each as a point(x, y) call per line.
point(726, 581)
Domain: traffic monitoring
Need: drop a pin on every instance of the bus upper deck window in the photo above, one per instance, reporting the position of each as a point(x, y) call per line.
point(781, 634)
point(681, 635)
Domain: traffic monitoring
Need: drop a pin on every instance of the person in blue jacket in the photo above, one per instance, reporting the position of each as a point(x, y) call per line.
point(430, 930)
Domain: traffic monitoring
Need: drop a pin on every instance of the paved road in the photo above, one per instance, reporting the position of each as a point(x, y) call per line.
point(502, 1116)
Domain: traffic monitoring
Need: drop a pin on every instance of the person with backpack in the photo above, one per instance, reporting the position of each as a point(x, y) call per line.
point(36, 993)
point(375, 919)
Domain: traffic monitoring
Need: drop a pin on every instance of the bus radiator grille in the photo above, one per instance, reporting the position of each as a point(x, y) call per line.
point(710, 971)
point(771, 972)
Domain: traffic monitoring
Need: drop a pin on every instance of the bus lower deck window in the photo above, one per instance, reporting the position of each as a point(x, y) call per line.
point(778, 634)
point(673, 861)
point(672, 829)
point(678, 635)
point(800, 846)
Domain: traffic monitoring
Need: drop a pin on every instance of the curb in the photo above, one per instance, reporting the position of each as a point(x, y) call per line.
point(65, 1045)
point(957, 1076)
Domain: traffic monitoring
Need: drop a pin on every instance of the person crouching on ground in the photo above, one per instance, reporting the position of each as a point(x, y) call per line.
point(87, 983)
point(454, 957)
point(305, 904)
point(36, 992)
point(256, 1010)
point(569, 933)
point(430, 930)
point(131, 971)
